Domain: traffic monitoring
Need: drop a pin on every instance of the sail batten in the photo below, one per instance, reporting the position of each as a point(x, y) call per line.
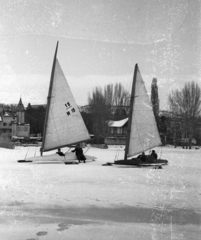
point(64, 124)
point(143, 129)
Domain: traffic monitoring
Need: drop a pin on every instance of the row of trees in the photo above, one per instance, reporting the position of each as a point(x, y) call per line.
point(184, 108)
point(106, 104)
point(185, 105)
point(182, 123)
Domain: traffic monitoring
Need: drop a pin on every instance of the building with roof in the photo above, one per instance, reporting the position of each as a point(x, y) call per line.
point(117, 132)
point(13, 126)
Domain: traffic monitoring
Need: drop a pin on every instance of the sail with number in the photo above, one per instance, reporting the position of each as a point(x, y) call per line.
point(143, 133)
point(63, 122)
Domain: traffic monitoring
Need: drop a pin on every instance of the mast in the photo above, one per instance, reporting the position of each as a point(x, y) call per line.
point(49, 99)
point(131, 112)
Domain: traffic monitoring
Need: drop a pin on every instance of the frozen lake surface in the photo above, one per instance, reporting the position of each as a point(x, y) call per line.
point(91, 201)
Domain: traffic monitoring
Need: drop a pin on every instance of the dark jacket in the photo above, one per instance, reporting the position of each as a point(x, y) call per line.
point(79, 153)
point(153, 154)
point(78, 150)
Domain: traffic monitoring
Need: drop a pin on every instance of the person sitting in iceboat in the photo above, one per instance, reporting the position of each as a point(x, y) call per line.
point(153, 154)
point(152, 157)
point(142, 157)
point(60, 153)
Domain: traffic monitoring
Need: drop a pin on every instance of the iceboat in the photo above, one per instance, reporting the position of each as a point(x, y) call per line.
point(63, 125)
point(69, 158)
point(142, 132)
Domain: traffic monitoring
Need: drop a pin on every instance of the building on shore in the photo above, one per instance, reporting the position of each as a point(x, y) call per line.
point(170, 130)
point(13, 126)
point(117, 131)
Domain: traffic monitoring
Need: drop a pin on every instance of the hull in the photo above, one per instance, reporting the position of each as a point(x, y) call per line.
point(137, 161)
point(55, 158)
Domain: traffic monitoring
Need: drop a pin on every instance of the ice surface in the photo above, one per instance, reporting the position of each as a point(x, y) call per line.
point(91, 201)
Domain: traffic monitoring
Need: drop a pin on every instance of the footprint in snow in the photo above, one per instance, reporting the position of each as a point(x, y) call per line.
point(41, 233)
point(63, 226)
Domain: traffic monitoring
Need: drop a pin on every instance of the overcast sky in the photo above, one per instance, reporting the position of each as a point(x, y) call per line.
point(100, 41)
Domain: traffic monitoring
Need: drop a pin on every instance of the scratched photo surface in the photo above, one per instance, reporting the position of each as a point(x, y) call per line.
point(99, 44)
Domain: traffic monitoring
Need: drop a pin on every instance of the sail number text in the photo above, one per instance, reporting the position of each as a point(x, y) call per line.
point(69, 109)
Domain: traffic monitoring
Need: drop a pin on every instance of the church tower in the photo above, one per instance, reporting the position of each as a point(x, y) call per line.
point(20, 112)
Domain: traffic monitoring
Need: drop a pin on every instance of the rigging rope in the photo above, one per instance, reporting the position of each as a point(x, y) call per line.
point(161, 150)
point(35, 152)
point(26, 154)
point(116, 157)
point(69, 149)
point(87, 148)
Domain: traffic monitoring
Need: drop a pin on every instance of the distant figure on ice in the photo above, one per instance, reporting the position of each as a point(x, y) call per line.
point(60, 153)
point(79, 153)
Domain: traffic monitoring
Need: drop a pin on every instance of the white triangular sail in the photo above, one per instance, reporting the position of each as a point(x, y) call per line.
point(144, 134)
point(64, 125)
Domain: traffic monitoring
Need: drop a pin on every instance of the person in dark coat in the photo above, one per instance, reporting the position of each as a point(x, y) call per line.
point(79, 153)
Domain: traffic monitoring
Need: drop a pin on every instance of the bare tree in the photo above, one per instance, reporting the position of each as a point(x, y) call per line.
point(102, 101)
point(108, 94)
point(185, 103)
point(155, 105)
point(121, 96)
point(97, 104)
